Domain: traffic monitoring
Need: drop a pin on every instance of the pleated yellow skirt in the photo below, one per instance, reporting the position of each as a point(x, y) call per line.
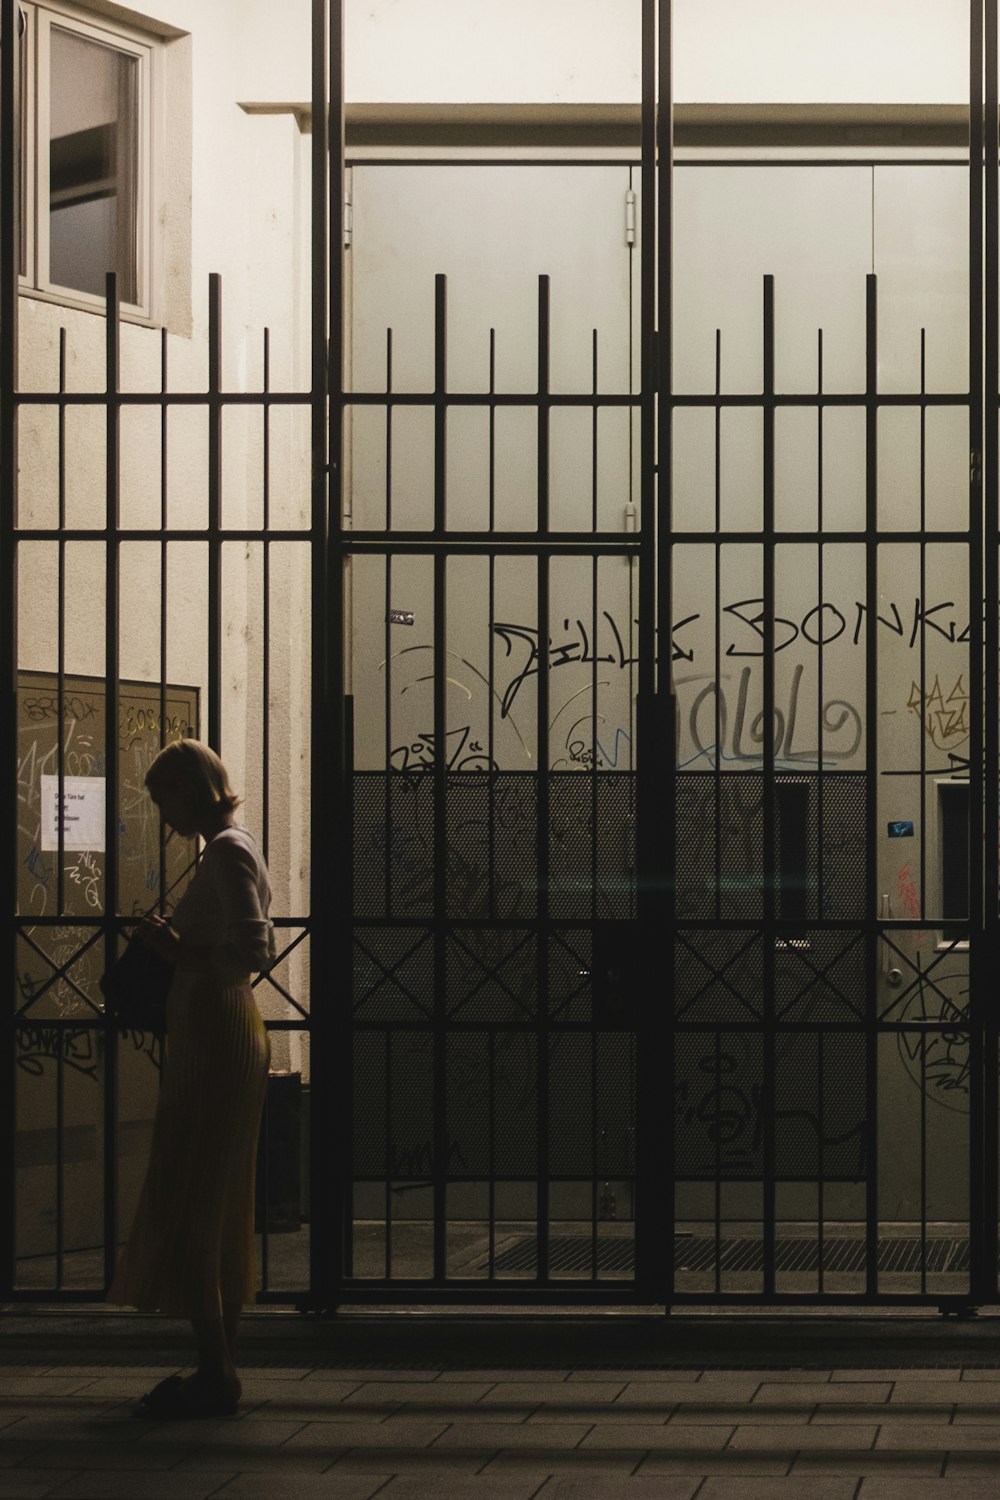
point(192, 1248)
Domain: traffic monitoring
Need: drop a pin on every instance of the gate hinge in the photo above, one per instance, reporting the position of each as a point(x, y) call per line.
point(348, 219)
point(975, 467)
point(630, 217)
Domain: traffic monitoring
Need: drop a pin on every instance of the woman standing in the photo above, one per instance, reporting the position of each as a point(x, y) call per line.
point(191, 1253)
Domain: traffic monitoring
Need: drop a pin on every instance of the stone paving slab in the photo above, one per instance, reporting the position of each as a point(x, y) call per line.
point(750, 1488)
point(971, 1488)
point(632, 1488)
point(15, 1452)
point(304, 1486)
point(440, 1393)
point(806, 1437)
point(96, 1484)
point(939, 1438)
point(618, 1412)
point(12, 1384)
point(29, 1484)
point(705, 1462)
point(891, 1415)
point(781, 1394)
point(977, 1392)
point(235, 1458)
point(408, 1487)
point(539, 1465)
point(413, 1433)
point(431, 1463)
point(523, 1392)
point(714, 1412)
point(860, 1464)
point(95, 1455)
point(938, 1376)
point(644, 1436)
point(668, 1394)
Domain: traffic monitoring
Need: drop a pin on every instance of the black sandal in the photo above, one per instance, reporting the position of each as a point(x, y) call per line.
point(172, 1399)
point(161, 1401)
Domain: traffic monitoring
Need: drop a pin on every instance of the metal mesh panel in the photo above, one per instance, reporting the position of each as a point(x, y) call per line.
point(820, 976)
point(820, 1108)
point(492, 1104)
point(719, 1077)
point(491, 974)
point(718, 976)
point(393, 973)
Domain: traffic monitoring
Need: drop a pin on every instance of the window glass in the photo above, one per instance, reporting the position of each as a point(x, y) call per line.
point(93, 131)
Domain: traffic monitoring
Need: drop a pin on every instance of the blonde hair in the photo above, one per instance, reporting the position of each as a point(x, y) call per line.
point(198, 767)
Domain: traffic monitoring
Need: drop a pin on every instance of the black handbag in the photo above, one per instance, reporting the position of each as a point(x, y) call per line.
point(135, 989)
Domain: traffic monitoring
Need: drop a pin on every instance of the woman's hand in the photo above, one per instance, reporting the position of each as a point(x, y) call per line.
point(157, 933)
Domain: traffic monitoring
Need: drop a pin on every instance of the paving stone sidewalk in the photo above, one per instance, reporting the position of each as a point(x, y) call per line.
point(420, 1418)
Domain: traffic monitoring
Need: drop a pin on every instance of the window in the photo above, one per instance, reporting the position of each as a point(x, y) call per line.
point(85, 118)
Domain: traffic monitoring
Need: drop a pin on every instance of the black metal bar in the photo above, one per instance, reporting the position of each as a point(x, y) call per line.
point(769, 850)
point(984, 893)
point(164, 582)
point(441, 893)
point(10, 242)
point(112, 795)
point(326, 792)
point(265, 729)
point(61, 639)
point(214, 736)
point(543, 1039)
point(871, 809)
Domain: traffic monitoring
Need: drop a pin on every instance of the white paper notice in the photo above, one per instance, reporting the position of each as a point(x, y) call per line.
point(82, 812)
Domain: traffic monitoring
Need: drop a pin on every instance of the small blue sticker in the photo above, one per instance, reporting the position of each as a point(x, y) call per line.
point(902, 830)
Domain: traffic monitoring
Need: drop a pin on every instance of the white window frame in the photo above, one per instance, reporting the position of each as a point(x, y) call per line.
point(40, 16)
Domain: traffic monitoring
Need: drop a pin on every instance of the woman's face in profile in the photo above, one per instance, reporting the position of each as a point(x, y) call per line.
point(175, 804)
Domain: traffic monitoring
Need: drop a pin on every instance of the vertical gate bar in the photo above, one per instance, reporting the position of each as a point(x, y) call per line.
point(820, 649)
point(542, 1037)
point(821, 911)
point(656, 758)
point(649, 1166)
point(387, 793)
point(390, 1155)
point(594, 649)
point(871, 777)
point(60, 1157)
point(265, 743)
point(265, 747)
point(989, 933)
point(821, 1154)
point(440, 1163)
point(215, 512)
point(491, 729)
point(923, 1161)
point(923, 620)
point(982, 1263)
point(770, 872)
point(10, 242)
point(440, 1037)
point(112, 670)
point(717, 619)
point(326, 790)
point(61, 634)
point(922, 588)
point(340, 895)
point(594, 812)
point(441, 890)
point(492, 1149)
point(164, 408)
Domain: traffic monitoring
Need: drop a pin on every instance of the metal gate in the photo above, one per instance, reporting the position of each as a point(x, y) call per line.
point(620, 991)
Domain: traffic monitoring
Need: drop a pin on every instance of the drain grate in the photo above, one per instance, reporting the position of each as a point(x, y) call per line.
point(574, 1253)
